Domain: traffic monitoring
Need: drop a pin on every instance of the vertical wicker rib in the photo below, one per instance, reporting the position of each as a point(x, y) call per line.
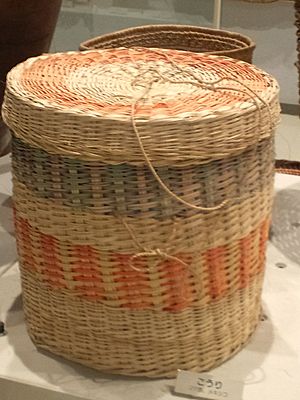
point(122, 270)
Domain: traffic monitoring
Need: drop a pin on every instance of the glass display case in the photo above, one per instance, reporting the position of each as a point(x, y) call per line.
point(87, 18)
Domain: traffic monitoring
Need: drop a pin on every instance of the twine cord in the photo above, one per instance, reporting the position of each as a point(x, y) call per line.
point(163, 254)
point(154, 253)
point(150, 165)
point(212, 85)
point(146, 252)
point(159, 180)
point(199, 82)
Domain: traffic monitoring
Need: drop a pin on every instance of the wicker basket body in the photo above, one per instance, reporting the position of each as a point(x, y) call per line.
point(180, 37)
point(142, 204)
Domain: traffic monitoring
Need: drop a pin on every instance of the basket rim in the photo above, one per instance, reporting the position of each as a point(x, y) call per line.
point(47, 104)
point(250, 44)
point(73, 115)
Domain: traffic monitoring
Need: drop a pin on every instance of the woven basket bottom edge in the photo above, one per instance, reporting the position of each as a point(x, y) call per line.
point(147, 343)
point(168, 374)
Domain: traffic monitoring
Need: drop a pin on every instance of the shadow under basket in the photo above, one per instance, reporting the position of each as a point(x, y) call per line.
point(179, 37)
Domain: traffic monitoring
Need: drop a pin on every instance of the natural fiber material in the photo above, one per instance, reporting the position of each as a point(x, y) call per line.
point(179, 37)
point(143, 184)
point(175, 97)
point(139, 342)
point(288, 167)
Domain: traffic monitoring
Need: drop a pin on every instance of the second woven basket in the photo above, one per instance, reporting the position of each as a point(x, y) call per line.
point(178, 37)
point(142, 186)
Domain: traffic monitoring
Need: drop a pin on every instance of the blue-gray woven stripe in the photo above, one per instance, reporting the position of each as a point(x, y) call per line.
point(128, 190)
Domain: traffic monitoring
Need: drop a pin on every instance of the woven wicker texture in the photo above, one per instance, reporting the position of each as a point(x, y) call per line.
point(143, 184)
point(288, 167)
point(180, 37)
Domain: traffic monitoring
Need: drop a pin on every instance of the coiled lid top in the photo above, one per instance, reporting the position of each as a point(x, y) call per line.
point(73, 103)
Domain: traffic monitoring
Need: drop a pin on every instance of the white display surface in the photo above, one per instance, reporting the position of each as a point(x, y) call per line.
point(269, 365)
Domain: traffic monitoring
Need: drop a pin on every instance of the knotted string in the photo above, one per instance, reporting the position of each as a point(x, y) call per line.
point(152, 169)
point(214, 86)
point(198, 82)
point(146, 252)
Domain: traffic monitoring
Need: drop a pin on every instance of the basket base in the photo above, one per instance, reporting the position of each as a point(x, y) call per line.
point(147, 374)
point(140, 343)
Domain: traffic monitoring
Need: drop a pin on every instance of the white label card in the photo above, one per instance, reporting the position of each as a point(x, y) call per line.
point(207, 386)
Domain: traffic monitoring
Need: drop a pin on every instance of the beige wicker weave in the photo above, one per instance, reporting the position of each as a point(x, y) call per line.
point(179, 37)
point(143, 184)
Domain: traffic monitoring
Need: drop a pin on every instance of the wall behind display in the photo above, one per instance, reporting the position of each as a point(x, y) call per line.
point(82, 19)
point(270, 25)
point(272, 28)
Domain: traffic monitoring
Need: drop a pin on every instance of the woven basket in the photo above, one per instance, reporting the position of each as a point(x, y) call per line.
point(288, 167)
point(142, 184)
point(180, 37)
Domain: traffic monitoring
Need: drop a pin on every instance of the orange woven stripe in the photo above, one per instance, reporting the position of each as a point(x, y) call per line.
point(253, 262)
point(247, 259)
point(86, 272)
point(264, 235)
point(216, 267)
point(132, 283)
point(177, 286)
point(51, 266)
point(23, 237)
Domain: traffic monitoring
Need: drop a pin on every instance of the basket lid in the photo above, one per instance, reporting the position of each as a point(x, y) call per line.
point(184, 107)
